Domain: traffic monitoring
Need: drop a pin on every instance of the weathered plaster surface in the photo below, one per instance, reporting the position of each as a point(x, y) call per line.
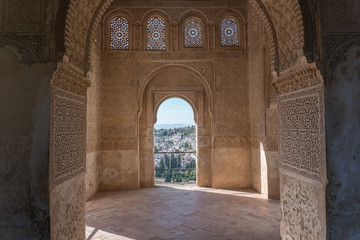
point(342, 98)
point(67, 210)
point(302, 161)
point(119, 170)
point(92, 174)
point(302, 208)
point(231, 168)
point(24, 146)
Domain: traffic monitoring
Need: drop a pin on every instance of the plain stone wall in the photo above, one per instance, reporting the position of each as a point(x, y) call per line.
point(24, 147)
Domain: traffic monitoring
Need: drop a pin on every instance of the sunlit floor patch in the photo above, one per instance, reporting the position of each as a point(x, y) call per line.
point(182, 212)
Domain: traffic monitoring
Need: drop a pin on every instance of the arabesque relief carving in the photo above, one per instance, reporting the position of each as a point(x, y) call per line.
point(119, 143)
point(69, 78)
point(68, 130)
point(232, 142)
point(300, 210)
point(301, 147)
point(30, 48)
point(299, 77)
point(186, 55)
point(287, 19)
point(23, 16)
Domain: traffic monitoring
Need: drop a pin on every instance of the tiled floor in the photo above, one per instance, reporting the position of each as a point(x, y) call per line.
point(182, 212)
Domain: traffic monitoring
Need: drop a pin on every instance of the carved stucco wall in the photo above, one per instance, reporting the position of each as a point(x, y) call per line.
point(122, 74)
point(93, 124)
point(287, 19)
point(25, 111)
point(24, 141)
point(67, 162)
point(342, 118)
point(341, 51)
point(263, 111)
point(31, 48)
point(118, 158)
point(306, 220)
point(302, 148)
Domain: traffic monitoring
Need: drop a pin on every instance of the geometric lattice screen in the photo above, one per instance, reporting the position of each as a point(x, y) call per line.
point(119, 33)
point(156, 37)
point(229, 33)
point(193, 35)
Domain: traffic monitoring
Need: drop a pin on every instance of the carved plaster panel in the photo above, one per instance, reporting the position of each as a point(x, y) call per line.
point(30, 48)
point(78, 21)
point(298, 77)
point(301, 129)
point(166, 56)
point(232, 142)
point(287, 19)
point(303, 209)
point(265, 143)
point(67, 135)
point(333, 41)
point(70, 78)
point(124, 130)
point(24, 16)
point(230, 129)
point(336, 47)
point(254, 26)
point(118, 143)
point(173, 4)
point(343, 15)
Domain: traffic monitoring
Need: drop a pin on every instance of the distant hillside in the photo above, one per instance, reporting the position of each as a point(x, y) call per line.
point(174, 125)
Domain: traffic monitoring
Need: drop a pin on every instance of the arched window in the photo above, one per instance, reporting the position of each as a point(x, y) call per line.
point(229, 33)
point(119, 33)
point(156, 34)
point(193, 33)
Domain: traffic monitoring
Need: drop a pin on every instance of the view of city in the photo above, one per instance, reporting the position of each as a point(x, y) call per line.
point(175, 154)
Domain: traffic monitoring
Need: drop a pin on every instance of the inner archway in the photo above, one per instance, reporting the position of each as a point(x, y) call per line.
point(166, 82)
point(175, 142)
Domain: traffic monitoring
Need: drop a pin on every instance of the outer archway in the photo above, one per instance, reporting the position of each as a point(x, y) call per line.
point(295, 75)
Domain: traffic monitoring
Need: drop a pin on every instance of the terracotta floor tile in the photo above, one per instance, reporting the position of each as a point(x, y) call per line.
point(182, 212)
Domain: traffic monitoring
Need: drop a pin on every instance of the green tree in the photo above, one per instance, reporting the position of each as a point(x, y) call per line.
point(192, 164)
point(167, 161)
point(162, 164)
point(173, 164)
point(167, 177)
point(178, 161)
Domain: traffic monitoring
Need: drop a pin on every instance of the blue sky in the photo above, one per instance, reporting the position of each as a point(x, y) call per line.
point(175, 110)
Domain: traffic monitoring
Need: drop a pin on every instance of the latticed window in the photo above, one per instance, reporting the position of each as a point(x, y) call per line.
point(119, 33)
point(229, 33)
point(156, 34)
point(193, 34)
